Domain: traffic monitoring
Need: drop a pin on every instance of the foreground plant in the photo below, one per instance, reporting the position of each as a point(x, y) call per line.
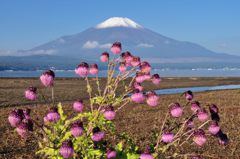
point(91, 133)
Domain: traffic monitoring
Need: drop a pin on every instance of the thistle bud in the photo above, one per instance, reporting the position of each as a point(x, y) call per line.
point(195, 106)
point(104, 57)
point(109, 113)
point(145, 67)
point(122, 67)
point(31, 93)
point(53, 115)
point(82, 69)
point(47, 78)
point(135, 61)
point(77, 129)
point(156, 79)
point(78, 106)
point(214, 128)
point(152, 99)
point(176, 110)
point(93, 69)
point(202, 115)
point(66, 150)
point(137, 97)
point(97, 135)
point(116, 48)
point(199, 137)
point(188, 95)
point(15, 118)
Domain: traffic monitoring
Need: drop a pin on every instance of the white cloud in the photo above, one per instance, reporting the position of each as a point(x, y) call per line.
point(7, 52)
point(95, 44)
point(39, 52)
point(145, 45)
point(61, 40)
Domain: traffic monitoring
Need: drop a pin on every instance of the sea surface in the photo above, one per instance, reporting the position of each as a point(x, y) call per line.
point(196, 72)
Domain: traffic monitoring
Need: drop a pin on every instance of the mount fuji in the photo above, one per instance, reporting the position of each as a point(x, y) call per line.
point(139, 40)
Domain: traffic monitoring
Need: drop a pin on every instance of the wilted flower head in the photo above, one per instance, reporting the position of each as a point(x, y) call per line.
point(145, 67)
point(199, 137)
point(222, 138)
point(190, 123)
point(53, 115)
point(138, 86)
point(82, 69)
point(167, 137)
point(31, 93)
point(78, 106)
point(135, 61)
point(137, 97)
point(156, 79)
point(122, 67)
point(214, 128)
point(66, 150)
point(77, 129)
point(195, 106)
point(213, 108)
point(47, 78)
point(188, 95)
point(109, 113)
point(15, 117)
point(176, 110)
point(104, 57)
point(93, 69)
point(152, 99)
point(116, 48)
point(97, 135)
point(202, 115)
point(111, 153)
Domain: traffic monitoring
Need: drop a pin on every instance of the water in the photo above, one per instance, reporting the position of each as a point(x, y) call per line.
point(207, 72)
point(196, 89)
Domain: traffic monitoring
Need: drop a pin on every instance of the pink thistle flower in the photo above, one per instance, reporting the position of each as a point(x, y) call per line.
point(199, 137)
point(78, 106)
point(47, 78)
point(138, 86)
point(147, 76)
point(202, 115)
point(77, 129)
point(104, 57)
point(140, 77)
point(53, 115)
point(127, 57)
point(122, 67)
point(31, 93)
point(66, 150)
point(109, 113)
point(137, 97)
point(156, 79)
point(111, 153)
point(214, 128)
point(188, 95)
point(82, 69)
point(15, 118)
point(116, 48)
point(145, 67)
point(22, 129)
point(152, 99)
point(167, 137)
point(146, 154)
point(135, 61)
point(176, 110)
point(195, 106)
point(93, 69)
point(97, 135)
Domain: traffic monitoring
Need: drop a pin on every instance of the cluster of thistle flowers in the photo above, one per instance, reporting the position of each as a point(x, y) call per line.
point(192, 126)
point(128, 66)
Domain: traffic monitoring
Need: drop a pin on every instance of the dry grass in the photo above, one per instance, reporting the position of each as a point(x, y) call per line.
point(139, 121)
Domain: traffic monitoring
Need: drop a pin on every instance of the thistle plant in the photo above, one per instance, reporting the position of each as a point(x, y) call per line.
point(92, 133)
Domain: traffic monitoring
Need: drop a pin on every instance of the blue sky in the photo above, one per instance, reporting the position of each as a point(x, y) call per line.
point(214, 24)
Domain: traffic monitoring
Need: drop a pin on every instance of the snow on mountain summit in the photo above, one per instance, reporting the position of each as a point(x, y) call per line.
point(118, 22)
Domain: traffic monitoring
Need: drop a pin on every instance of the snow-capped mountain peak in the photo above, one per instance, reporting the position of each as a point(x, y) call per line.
point(118, 22)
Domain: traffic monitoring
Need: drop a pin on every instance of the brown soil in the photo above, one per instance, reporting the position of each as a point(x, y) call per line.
point(139, 121)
